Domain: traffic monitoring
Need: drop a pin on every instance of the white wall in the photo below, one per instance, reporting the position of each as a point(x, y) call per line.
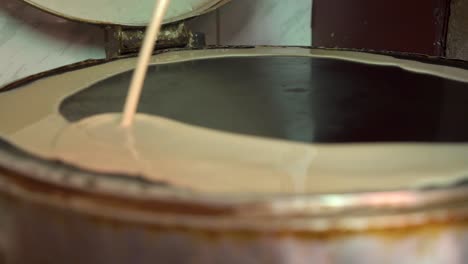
point(32, 41)
point(259, 22)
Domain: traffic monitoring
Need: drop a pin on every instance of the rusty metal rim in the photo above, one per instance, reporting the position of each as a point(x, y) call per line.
point(438, 207)
point(48, 181)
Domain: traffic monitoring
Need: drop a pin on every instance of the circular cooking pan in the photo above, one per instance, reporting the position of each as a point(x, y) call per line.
point(328, 155)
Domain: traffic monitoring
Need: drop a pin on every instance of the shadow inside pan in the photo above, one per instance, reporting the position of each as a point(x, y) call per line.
point(295, 98)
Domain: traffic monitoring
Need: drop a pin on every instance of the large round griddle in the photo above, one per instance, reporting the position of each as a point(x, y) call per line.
point(295, 95)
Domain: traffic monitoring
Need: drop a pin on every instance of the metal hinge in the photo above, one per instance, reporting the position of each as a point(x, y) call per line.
point(128, 40)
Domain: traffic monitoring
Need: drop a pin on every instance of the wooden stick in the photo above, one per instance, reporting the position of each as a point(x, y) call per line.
point(144, 57)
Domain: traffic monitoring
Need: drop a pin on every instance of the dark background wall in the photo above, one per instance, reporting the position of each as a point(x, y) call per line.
point(417, 26)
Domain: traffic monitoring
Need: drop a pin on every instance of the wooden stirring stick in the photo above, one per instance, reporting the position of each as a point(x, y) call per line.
point(144, 57)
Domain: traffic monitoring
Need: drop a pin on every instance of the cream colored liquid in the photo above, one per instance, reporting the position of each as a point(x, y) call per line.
point(211, 161)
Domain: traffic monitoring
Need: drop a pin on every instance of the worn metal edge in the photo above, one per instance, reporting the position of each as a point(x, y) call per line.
point(170, 212)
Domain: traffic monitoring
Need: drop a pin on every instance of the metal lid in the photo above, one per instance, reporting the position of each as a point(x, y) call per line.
point(123, 12)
